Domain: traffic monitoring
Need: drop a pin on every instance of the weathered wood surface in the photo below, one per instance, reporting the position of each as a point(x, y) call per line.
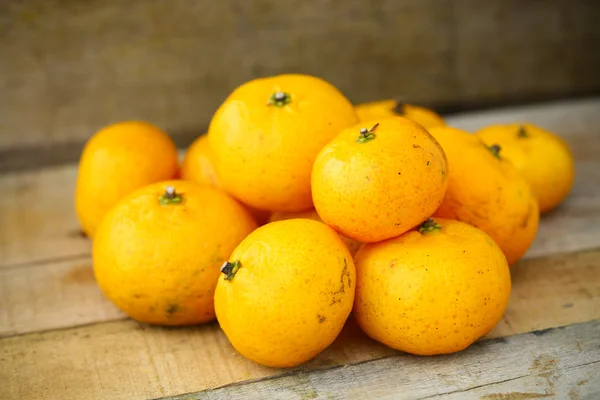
point(37, 217)
point(562, 363)
point(38, 231)
point(61, 339)
point(126, 360)
point(547, 292)
point(67, 68)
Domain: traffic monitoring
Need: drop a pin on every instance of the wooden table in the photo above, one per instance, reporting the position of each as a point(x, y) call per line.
point(61, 339)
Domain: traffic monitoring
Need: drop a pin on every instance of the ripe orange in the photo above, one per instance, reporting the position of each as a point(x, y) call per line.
point(390, 108)
point(543, 159)
point(117, 160)
point(286, 292)
point(158, 251)
point(198, 166)
point(486, 191)
point(351, 244)
point(267, 133)
point(434, 290)
point(377, 183)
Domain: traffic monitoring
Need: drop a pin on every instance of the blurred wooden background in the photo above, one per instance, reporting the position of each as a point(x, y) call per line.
point(69, 67)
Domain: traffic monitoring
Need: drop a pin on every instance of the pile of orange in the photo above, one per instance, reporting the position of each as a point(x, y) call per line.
point(298, 208)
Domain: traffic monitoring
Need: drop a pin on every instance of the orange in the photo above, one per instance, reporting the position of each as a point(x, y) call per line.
point(286, 292)
point(486, 191)
point(198, 166)
point(158, 251)
point(543, 159)
point(434, 290)
point(379, 179)
point(389, 108)
point(352, 244)
point(267, 133)
point(117, 160)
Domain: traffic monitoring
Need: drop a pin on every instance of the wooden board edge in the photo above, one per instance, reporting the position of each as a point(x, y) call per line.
point(542, 356)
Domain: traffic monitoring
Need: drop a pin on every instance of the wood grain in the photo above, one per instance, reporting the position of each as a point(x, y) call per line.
point(124, 359)
point(68, 68)
point(547, 292)
point(62, 339)
point(55, 295)
point(37, 217)
point(561, 363)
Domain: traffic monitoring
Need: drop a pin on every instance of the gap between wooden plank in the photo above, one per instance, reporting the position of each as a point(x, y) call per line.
point(124, 359)
point(65, 294)
point(561, 362)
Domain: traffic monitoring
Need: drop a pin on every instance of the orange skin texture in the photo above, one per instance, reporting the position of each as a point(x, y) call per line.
point(158, 263)
point(543, 159)
point(352, 244)
point(431, 293)
point(487, 192)
point(198, 166)
point(264, 152)
point(292, 294)
point(382, 188)
point(386, 108)
point(117, 160)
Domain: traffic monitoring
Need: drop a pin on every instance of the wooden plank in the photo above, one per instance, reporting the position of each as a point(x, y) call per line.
point(48, 296)
point(123, 359)
point(55, 89)
point(561, 363)
point(549, 291)
point(497, 55)
point(37, 217)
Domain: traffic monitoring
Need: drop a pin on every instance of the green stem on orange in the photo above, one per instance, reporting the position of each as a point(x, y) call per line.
point(522, 133)
point(495, 150)
point(429, 225)
point(366, 135)
point(170, 197)
point(229, 269)
point(279, 99)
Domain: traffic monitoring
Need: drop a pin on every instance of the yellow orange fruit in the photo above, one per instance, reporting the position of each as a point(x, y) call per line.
point(433, 290)
point(351, 244)
point(117, 160)
point(486, 191)
point(543, 159)
point(198, 166)
point(286, 292)
point(390, 108)
point(379, 179)
point(158, 252)
point(267, 133)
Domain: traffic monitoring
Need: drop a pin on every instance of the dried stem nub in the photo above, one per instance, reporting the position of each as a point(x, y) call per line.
point(170, 196)
point(495, 150)
point(279, 99)
point(229, 269)
point(367, 135)
point(429, 225)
